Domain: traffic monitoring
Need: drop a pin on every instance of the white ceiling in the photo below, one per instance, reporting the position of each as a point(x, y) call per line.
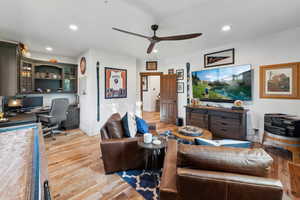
point(41, 23)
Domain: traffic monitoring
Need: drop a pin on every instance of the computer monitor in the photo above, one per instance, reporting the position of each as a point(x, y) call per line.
point(32, 102)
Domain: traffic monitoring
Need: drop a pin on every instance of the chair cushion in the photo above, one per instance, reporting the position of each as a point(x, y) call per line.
point(115, 129)
point(224, 143)
point(129, 125)
point(142, 126)
point(254, 162)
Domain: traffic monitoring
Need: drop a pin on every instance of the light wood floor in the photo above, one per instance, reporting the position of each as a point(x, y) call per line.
point(76, 170)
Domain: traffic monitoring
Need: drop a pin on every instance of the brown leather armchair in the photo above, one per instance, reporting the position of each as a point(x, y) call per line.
point(202, 172)
point(120, 153)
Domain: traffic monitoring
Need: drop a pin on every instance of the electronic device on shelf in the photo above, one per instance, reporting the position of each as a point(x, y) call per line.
point(282, 124)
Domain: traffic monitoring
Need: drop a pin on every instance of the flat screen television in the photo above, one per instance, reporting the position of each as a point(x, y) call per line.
point(225, 84)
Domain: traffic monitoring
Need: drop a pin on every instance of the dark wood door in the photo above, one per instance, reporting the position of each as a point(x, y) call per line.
point(168, 98)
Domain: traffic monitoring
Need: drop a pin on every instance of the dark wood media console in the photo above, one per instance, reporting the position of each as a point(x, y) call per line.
point(222, 122)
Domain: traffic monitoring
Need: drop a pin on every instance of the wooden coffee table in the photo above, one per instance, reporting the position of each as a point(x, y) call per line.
point(206, 135)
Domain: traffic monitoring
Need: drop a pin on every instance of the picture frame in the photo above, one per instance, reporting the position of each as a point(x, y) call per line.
point(171, 71)
point(180, 87)
point(180, 74)
point(144, 83)
point(115, 83)
point(280, 81)
point(151, 65)
point(219, 58)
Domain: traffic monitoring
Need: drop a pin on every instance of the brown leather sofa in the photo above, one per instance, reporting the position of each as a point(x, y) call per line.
point(120, 153)
point(203, 172)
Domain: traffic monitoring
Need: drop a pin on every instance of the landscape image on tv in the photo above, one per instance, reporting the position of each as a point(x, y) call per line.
point(225, 84)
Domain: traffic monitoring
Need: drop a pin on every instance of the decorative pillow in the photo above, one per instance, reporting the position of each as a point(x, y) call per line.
point(224, 143)
point(129, 125)
point(115, 129)
point(142, 126)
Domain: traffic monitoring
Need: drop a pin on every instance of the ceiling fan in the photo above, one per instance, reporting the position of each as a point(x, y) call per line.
point(155, 39)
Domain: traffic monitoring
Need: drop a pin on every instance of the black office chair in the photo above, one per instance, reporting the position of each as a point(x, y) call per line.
point(58, 113)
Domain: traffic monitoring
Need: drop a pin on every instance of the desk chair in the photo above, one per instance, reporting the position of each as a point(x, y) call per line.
point(58, 113)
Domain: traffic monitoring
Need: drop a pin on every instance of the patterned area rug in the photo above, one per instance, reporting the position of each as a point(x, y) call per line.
point(145, 182)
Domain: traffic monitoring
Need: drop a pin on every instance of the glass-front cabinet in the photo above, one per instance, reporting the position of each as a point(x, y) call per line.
point(45, 77)
point(70, 79)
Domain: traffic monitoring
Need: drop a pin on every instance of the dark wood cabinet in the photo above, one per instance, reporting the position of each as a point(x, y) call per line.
point(8, 69)
point(222, 122)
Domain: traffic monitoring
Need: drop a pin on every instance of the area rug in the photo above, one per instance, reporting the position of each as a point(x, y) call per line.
point(145, 182)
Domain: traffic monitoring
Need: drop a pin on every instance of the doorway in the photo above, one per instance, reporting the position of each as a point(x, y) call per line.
point(159, 96)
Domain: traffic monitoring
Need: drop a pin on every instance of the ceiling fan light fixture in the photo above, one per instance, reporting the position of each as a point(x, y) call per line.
point(155, 51)
point(73, 27)
point(49, 48)
point(226, 28)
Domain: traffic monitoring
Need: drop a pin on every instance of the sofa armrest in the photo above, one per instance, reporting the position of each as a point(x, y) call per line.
point(121, 154)
point(221, 185)
point(168, 188)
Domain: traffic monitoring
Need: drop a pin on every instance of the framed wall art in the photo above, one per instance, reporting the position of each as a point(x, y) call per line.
point(280, 81)
point(151, 65)
point(82, 65)
point(115, 83)
point(145, 83)
point(180, 87)
point(170, 71)
point(225, 57)
point(180, 74)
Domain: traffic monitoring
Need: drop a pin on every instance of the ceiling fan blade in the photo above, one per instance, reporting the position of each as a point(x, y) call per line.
point(180, 37)
point(150, 48)
point(135, 34)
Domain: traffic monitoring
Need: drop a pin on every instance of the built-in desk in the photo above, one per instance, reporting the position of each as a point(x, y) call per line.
point(19, 119)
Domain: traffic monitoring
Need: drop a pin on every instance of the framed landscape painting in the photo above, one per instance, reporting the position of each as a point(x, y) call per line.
point(280, 81)
point(220, 58)
point(180, 87)
point(115, 83)
point(151, 65)
point(180, 74)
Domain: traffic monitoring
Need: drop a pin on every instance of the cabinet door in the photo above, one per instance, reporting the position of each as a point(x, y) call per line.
point(8, 69)
point(226, 127)
point(197, 118)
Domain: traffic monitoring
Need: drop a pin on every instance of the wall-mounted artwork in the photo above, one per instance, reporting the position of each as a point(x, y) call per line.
point(180, 74)
point(219, 58)
point(170, 71)
point(82, 65)
point(180, 87)
point(280, 81)
point(145, 83)
point(115, 83)
point(151, 65)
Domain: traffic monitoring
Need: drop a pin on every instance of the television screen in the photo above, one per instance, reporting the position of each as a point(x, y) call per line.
point(225, 84)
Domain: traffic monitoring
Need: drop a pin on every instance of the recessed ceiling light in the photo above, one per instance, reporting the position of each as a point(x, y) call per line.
point(73, 27)
point(226, 28)
point(155, 50)
point(49, 48)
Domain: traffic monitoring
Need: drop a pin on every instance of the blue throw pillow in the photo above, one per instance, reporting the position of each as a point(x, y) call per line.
point(223, 143)
point(142, 126)
point(129, 125)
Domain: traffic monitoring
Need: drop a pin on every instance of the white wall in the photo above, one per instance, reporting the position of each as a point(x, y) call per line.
point(150, 96)
point(282, 47)
point(88, 102)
